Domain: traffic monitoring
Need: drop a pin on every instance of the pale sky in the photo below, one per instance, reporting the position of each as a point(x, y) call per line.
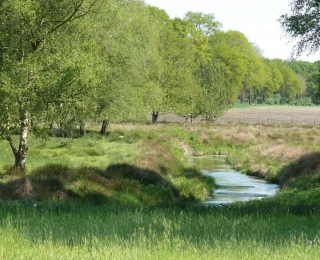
point(256, 19)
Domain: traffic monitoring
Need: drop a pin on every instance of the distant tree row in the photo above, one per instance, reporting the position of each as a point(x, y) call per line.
point(63, 63)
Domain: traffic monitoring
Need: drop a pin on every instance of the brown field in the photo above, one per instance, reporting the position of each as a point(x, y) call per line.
point(261, 114)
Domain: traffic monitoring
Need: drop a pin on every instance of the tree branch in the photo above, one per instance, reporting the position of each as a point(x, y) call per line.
point(72, 16)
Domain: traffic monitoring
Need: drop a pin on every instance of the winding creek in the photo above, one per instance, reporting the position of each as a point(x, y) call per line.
point(233, 186)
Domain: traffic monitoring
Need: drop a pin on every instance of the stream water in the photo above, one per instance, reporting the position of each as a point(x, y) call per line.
point(232, 185)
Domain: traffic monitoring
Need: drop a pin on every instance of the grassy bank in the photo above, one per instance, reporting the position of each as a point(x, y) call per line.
point(131, 166)
point(150, 163)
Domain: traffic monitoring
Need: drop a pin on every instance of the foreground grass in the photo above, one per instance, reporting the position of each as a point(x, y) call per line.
point(71, 232)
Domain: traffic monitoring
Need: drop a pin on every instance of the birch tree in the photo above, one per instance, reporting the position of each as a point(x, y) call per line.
point(28, 29)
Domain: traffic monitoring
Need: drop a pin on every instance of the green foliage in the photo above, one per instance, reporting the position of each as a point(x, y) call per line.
point(305, 101)
point(275, 100)
point(217, 93)
point(40, 74)
point(291, 84)
point(302, 24)
point(205, 24)
point(231, 58)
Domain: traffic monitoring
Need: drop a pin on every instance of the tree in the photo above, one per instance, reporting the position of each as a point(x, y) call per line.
point(308, 72)
point(231, 58)
point(28, 30)
point(275, 79)
point(173, 80)
point(129, 38)
point(243, 64)
point(303, 25)
point(291, 85)
point(252, 61)
point(217, 94)
point(205, 24)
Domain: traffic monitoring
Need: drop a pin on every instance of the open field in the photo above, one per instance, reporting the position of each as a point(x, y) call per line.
point(276, 114)
point(261, 114)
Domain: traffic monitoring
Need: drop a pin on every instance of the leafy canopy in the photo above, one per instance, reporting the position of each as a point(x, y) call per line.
point(303, 25)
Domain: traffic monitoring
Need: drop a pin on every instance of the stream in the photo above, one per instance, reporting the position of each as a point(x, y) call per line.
point(233, 185)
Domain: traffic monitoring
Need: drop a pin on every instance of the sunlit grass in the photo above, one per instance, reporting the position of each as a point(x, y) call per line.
point(41, 232)
point(86, 151)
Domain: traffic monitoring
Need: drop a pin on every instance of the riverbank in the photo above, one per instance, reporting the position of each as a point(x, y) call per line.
point(110, 208)
point(133, 157)
point(147, 165)
point(132, 166)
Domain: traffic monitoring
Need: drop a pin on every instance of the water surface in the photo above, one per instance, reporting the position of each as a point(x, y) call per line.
point(233, 185)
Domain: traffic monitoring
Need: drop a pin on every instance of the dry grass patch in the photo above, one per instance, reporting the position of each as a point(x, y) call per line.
point(282, 151)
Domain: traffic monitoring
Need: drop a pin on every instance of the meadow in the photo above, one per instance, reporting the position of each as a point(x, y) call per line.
point(70, 232)
point(134, 195)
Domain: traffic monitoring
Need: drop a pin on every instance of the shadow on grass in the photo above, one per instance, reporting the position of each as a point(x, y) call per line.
point(117, 184)
point(302, 174)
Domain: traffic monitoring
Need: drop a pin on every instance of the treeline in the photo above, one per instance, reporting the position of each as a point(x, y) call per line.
point(63, 63)
point(295, 83)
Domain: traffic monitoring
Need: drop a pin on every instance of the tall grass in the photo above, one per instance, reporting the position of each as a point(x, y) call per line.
point(47, 232)
point(93, 150)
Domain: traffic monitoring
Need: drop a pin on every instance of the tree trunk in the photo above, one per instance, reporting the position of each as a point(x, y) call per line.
point(241, 97)
point(104, 127)
point(21, 154)
point(155, 116)
point(249, 99)
point(23, 147)
point(83, 131)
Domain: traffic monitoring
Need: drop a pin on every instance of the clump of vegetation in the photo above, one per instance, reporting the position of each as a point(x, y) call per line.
point(125, 167)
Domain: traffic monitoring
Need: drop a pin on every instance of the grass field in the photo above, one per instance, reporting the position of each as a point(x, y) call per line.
point(132, 194)
point(260, 114)
point(274, 114)
point(53, 232)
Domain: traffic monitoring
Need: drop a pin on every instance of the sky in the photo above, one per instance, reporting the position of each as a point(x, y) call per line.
point(256, 19)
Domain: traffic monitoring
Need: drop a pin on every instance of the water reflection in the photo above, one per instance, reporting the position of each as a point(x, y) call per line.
point(233, 185)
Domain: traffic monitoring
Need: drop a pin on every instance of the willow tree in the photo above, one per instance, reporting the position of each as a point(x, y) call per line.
point(128, 36)
point(174, 79)
point(28, 30)
point(230, 57)
point(218, 92)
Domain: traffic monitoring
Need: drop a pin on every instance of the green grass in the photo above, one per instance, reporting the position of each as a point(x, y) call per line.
point(128, 195)
point(64, 231)
point(125, 167)
point(88, 151)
